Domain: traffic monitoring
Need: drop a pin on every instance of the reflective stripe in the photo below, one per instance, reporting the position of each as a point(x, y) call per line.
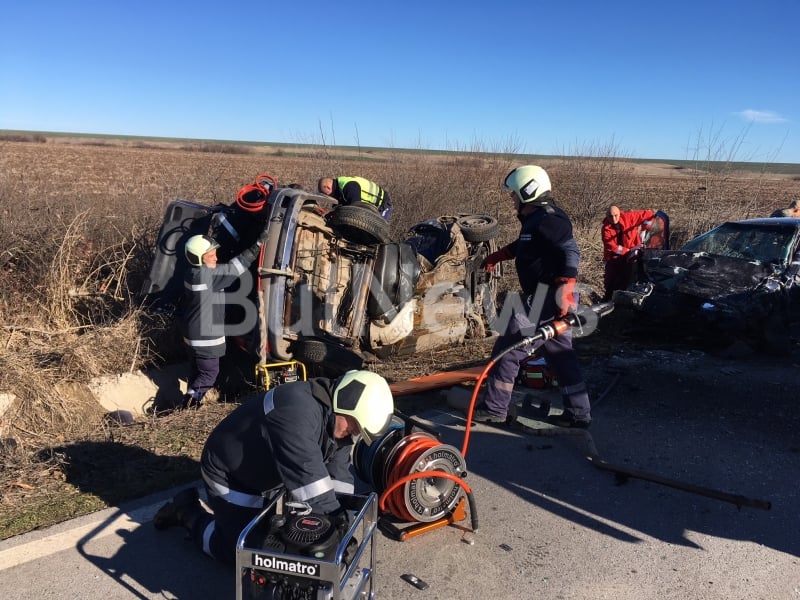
point(269, 402)
point(238, 267)
point(230, 496)
point(314, 489)
point(226, 223)
point(207, 533)
point(203, 343)
point(504, 385)
point(198, 287)
point(343, 487)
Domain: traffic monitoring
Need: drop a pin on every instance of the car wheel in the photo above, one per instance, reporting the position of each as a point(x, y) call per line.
point(479, 228)
point(360, 224)
point(332, 359)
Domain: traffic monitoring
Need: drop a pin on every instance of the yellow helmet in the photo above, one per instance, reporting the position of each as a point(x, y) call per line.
point(528, 183)
point(196, 246)
point(366, 397)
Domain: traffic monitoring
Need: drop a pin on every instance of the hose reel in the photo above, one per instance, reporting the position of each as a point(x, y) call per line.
point(418, 478)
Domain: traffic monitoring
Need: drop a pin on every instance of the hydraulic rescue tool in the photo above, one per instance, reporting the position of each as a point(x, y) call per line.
point(289, 552)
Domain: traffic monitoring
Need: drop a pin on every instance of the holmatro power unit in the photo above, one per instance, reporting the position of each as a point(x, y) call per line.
point(290, 552)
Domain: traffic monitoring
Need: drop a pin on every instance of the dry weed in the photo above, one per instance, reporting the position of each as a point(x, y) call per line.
point(78, 223)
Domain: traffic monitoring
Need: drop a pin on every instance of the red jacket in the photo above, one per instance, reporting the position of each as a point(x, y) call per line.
point(623, 237)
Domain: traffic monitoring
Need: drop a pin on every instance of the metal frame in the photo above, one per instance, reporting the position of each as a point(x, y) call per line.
point(354, 583)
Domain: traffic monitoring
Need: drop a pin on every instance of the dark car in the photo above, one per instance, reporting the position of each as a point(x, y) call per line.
point(333, 289)
point(741, 280)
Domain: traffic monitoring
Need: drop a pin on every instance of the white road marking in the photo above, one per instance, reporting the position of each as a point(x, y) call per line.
point(64, 540)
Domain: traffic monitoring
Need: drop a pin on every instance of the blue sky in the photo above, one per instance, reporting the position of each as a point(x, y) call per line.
point(681, 80)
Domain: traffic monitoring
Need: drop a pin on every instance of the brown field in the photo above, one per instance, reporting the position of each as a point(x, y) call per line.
point(79, 217)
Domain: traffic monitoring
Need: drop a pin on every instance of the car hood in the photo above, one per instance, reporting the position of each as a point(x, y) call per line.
point(702, 275)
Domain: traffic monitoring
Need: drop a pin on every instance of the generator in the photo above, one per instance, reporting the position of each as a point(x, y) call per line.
point(289, 552)
point(535, 373)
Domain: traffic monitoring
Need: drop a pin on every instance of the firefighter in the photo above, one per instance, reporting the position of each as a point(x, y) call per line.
point(295, 437)
point(546, 256)
point(621, 240)
point(203, 321)
point(237, 226)
point(353, 190)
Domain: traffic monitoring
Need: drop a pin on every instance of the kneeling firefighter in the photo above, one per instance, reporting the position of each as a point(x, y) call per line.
point(296, 437)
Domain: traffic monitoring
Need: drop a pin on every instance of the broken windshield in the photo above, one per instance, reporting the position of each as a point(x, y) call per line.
point(761, 243)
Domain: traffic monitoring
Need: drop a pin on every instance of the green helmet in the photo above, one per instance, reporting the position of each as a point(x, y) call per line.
point(196, 246)
point(528, 183)
point(366, 397)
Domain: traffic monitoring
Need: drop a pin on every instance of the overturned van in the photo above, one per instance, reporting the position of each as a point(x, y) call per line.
point(331, 288)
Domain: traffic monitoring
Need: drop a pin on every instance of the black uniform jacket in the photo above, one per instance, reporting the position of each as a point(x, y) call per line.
point(283, 436)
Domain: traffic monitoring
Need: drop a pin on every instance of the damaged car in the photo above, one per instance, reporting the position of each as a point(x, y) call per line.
point(331, 289)
point(741, 280)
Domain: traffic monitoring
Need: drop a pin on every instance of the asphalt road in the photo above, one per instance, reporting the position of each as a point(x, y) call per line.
point(550, 524)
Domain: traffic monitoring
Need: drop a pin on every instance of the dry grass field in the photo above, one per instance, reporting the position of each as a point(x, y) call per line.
point(79, 217)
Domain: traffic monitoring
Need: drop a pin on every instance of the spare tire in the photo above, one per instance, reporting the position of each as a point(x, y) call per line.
point(362, 224)
point(332, 358)
point(479, 228)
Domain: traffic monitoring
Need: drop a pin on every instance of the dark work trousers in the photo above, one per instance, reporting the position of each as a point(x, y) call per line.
point(203, 376)
point(557, 351)
point(217, 534)
point(617, 275)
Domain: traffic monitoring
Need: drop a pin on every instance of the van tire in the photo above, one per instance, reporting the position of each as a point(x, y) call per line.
point(478, 228)
point(333, 360)
point(360, 224)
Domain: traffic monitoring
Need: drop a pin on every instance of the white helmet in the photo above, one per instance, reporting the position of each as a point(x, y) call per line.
point(196, 246)
point(366, 397)
point(528, 183)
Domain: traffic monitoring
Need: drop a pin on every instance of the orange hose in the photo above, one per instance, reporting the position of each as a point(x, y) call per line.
point(404, 463)
point(478, 383)
point(412, 476)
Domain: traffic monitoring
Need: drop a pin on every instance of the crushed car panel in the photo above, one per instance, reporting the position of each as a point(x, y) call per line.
point(741, 278)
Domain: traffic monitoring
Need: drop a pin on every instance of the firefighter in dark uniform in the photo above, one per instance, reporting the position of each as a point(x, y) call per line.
point(237, 226)
point(546, 257)
point(203, 319)
point(296, 437)
point(353, 190)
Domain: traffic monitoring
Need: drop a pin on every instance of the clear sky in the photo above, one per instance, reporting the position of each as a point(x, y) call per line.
point(649, 79)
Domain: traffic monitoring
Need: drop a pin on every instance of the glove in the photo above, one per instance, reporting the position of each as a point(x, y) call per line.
point(262, 237)
point(342, 519)
point(495, 257)
point(565, 295)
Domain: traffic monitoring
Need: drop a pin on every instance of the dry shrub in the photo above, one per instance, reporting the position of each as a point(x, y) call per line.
point(79, 222)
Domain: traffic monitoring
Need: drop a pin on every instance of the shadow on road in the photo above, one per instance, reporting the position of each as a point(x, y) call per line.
point(116, 472)
point(690, 428)
point(146, 566)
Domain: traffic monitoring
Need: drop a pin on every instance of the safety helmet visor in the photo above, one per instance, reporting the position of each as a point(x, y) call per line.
point(527, 183)
point(197, 246)
point(366, 397)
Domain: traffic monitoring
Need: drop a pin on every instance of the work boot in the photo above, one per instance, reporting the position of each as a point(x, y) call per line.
point(568, 419)
point(189, 400)
point(184, 504)
point(481, 415)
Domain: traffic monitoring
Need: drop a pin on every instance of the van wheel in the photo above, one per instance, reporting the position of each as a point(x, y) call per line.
point(329, 358)
point(479, 228)
point(360, 224)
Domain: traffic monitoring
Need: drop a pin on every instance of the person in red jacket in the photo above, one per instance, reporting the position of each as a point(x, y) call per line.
point(621, 238)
